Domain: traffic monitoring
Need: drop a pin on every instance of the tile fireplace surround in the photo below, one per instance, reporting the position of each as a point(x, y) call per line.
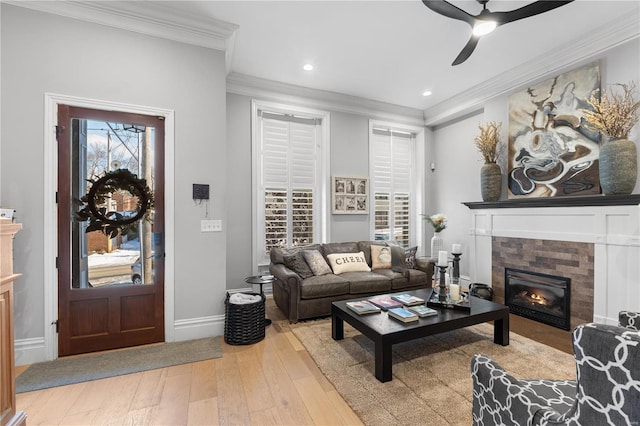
point(595, 241)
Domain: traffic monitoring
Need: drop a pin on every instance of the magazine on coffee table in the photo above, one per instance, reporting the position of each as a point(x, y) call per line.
point(363, 307)
point(385, 302)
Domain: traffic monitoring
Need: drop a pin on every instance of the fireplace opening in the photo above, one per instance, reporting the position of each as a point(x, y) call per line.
point(540, 297)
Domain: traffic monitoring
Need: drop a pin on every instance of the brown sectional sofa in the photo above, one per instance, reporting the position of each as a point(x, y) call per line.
point(303, 298)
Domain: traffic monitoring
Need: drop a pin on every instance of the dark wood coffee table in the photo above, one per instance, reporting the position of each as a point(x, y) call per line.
point(385, 331)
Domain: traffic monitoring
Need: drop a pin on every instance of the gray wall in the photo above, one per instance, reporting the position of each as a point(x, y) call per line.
point(349, 155)
point(457, 175)
point(48, 53)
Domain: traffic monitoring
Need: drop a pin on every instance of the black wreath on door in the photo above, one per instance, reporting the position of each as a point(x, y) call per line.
point(93, 205)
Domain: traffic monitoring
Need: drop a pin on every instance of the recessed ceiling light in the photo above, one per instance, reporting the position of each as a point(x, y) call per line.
point(426, 93)
point(307, 67)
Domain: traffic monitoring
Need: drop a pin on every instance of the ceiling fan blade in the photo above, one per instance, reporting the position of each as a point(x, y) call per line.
point(466, 51)
point(447, 9)
point(532, 9)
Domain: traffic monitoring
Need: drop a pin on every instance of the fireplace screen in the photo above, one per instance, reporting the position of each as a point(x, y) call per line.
point(540, 297)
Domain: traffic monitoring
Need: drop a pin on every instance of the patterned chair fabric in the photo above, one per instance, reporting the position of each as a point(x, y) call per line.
point(607, 390)
point(630, 320)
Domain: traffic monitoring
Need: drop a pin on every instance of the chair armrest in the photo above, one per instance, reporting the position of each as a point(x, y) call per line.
point(630, 320)
point(291, 284)
point(499, 398)
point(426, 265)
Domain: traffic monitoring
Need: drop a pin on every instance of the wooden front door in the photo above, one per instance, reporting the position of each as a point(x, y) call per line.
point(110, 286)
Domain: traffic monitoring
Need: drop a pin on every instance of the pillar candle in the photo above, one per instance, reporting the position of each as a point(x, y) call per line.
point(454, 290)
point(455, 248)
point(442, 258)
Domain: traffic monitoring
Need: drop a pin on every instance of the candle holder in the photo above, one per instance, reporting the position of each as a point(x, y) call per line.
point(442, 287)
point(455, 275)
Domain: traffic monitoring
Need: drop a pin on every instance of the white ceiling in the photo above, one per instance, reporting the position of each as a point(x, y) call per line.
point(385, 51)
point(392, 51)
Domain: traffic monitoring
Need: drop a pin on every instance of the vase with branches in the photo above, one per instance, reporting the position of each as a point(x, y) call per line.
point(488, 144)
point(614, 114)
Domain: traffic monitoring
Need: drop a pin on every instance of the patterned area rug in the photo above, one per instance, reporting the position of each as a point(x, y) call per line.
point(431, 376)
point(82, 368)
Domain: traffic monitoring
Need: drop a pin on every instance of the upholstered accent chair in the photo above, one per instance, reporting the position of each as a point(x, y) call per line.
point(607, 390)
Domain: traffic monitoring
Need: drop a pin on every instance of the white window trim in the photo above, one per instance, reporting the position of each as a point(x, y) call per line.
point(321, 208)
point(417, 182)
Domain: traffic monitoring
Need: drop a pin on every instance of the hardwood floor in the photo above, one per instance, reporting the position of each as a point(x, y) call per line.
point(273, 382)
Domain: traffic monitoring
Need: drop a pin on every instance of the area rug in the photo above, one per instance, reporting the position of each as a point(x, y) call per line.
point(431, 376)
point(82, 368)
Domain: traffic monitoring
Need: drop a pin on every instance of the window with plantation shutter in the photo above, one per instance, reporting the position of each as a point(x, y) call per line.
point(395, 196)
point(289, 180)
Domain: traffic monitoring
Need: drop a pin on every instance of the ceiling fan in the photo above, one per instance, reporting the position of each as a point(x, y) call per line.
point(486, 21)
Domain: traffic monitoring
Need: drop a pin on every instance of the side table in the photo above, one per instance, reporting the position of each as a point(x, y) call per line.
point(261, 280)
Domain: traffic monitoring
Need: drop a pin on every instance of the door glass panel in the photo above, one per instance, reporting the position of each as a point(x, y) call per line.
point(126, 258)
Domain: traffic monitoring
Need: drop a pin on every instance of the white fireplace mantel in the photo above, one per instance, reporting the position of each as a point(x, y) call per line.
point(613, 229)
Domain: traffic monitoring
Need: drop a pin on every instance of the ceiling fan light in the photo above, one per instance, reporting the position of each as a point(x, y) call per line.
point(484, 27)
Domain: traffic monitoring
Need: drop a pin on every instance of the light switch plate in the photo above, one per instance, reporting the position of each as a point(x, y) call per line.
point(210, 226)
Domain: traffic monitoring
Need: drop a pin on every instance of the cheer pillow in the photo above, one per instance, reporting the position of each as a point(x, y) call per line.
point(348, 262)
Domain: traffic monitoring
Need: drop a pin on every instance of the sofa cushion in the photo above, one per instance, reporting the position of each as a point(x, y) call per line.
point(277, 253)
point(323, 286)
point(366, 282)
point(410, 257)
point(365, 247)
point(348, 262)
point(380, 257)
point(397, 279)
point(349, 247)
point(295, 262)
point(418, 278)
point(398, 257)
point(316, 262)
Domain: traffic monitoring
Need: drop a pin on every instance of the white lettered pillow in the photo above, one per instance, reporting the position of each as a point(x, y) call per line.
point(348, 262)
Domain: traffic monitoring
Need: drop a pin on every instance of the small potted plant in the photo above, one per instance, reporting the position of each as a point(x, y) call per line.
point(614, 114)
point(488, 144)
point(439, 223)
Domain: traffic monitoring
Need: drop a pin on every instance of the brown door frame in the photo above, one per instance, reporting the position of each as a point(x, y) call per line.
point(65, 113)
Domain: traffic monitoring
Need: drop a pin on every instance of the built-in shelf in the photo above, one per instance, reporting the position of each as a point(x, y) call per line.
point(578, 201)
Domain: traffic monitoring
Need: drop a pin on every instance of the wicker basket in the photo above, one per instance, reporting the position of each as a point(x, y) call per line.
point(244, 324)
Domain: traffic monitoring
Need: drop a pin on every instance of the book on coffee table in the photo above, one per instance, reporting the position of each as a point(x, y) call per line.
point(363, 307)
point(422, 311)
point(407, 299)
point(402, 314)
point(385, 302)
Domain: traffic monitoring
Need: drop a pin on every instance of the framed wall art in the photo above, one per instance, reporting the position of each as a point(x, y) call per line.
point(350, 195)
point(551, 153)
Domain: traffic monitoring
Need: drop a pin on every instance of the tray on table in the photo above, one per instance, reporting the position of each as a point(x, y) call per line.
point(434, 302)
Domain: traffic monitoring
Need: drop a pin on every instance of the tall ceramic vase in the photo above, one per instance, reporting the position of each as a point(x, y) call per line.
point(436, 245)
point(618, 167)
point(490, 182)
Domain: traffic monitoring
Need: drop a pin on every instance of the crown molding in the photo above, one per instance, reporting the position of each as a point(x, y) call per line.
point(255, 87)
point(158, 21)
point(588, 48)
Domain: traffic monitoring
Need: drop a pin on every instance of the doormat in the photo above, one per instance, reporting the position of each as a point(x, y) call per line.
point(83, 368)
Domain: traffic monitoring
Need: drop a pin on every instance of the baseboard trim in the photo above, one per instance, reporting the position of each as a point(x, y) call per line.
point(198, 328)
point(29, 351)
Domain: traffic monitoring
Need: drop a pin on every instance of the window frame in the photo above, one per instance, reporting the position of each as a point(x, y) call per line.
point(417, 177)
point(260, 263)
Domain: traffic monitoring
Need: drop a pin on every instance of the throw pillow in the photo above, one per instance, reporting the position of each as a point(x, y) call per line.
point(380, 257)
point(348, 262)
point(295, 262)
point(410, 257)
point(316, 262)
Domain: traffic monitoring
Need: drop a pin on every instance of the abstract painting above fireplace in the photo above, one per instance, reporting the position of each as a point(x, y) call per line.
point(540, 297)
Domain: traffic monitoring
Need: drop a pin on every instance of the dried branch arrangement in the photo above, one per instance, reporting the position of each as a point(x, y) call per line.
point(488, 141)
point(614, 114)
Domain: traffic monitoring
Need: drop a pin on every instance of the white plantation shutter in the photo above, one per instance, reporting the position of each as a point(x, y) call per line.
point(392, 165)
point(289, 183)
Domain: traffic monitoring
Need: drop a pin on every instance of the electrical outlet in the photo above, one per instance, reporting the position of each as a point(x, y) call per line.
point(210, 226)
